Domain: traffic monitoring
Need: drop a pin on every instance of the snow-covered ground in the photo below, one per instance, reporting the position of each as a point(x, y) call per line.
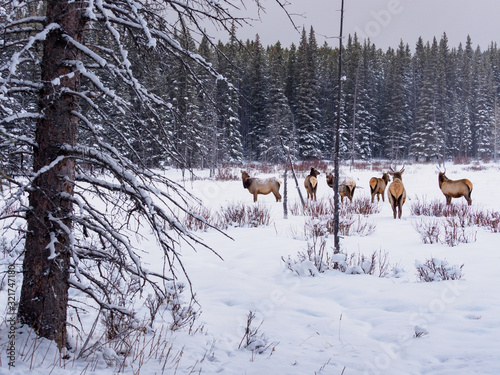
point(333, 323)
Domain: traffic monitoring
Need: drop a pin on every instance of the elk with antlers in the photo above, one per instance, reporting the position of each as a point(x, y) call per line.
point(378, 185)
point(397, 192)
point(455, 188)
point(311, 183)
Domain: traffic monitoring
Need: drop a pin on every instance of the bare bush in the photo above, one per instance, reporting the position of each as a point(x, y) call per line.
point(422, 208)
point(363, 206)
point(437, 270)
point(241, 215)
point(451, 231)
point(455, 232)
point(476, 167)
point(198, 218)
point(317, 260)
point(358, 264)
point(489, 220)
point(352, 219)
point(356, 226)
point(236, 215)
point(458, 217)
point(226, 174)
point(254, 340)
point(183, 314)
point(429, 230)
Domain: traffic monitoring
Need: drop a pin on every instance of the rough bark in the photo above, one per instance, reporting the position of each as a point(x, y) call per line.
point(44, 294)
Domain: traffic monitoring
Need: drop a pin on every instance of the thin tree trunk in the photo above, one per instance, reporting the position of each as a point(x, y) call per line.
point(44, 294)
point(336, 159)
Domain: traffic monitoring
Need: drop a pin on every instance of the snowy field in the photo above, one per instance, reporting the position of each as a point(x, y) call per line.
point(332, 323)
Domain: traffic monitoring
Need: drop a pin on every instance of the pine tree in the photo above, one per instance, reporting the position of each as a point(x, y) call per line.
point(327, 78)
point(187, 127)
point(281, 126)
point(482, 107)
point(228, 103)
point(258, 99)
point(426, 140)
point(398, 108)
point(307, 114)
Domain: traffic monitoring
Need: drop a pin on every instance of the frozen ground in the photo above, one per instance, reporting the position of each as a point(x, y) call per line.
point(334, 323)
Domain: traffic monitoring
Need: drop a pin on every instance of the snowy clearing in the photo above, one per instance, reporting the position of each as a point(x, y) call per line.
point(333, 323)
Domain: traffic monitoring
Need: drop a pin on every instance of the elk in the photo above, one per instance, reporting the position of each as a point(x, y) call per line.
point(397, 192)
point(258, 186)
point(455, 188)
point(346, 188)
point(378, 185)
point(311, 183)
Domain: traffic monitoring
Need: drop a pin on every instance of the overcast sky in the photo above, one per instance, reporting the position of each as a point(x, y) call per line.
point(385, 22)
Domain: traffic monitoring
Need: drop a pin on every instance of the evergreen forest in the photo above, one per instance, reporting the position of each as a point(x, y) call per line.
point(429, 102)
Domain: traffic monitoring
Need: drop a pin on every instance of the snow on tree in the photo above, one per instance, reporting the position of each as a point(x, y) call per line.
point(78, 56)
point(307, 115)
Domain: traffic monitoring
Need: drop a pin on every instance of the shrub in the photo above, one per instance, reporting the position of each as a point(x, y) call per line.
point(200, 218)
point(226, 174)
point(254, 340)
point(461, 214)
point(357, 264)
point(437, 270)
point(317, 260)
point(422, 208)
point(363, 206)
point(240, 215)
point(429, 230)
point(451, 231)
point(237, 215)
point(351, 222)
point(455, 232)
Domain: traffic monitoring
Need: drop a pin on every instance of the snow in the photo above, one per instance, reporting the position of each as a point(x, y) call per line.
point(329, 323)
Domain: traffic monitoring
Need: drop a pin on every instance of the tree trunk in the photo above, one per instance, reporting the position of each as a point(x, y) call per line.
point(44, 294)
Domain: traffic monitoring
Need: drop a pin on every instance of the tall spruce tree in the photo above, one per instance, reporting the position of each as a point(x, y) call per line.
point(398, 112)
point(307, 116)
point(258, 99)
point(426, 140)
point(281, 126)
point(230, 144)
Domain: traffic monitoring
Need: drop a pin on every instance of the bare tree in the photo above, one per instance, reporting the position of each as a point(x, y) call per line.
point(86, 198)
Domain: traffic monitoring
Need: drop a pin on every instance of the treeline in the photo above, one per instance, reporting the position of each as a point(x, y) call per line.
point(424, 103)
point(429, 103)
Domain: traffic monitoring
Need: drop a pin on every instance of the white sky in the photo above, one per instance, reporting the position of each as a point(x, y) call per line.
point(386, 22)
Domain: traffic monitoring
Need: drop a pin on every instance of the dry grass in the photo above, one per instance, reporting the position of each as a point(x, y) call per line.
point(232, 215)
point(458, 215)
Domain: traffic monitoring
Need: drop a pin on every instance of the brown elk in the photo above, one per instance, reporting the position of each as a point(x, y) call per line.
point(346, 188)
point(258, 186)
point(378, 185)
point(455, 188)
point(311, 183)
point(397, 192)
